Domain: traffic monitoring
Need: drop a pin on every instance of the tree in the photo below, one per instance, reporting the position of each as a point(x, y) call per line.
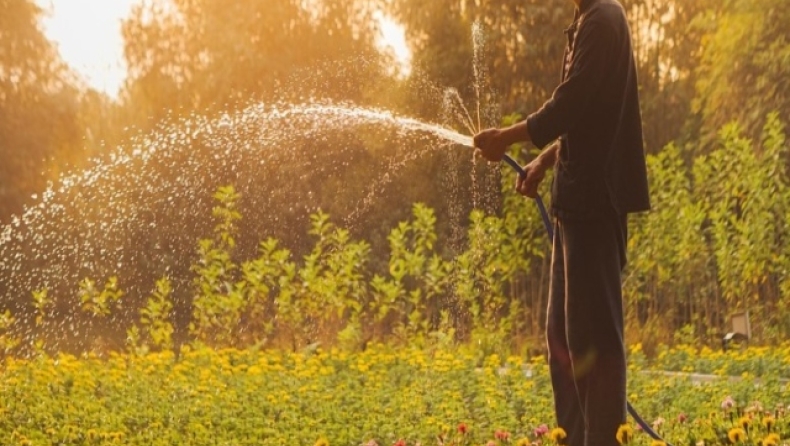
point(742, 74)
point(667, 39)
point(208, 55)
point(504, 54)
point(516, 56)
point(38, 131)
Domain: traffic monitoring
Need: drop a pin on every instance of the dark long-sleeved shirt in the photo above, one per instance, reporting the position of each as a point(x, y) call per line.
point(595, 114)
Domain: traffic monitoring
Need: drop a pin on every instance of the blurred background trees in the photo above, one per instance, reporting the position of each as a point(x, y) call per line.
point(39, 105)
point(207, 55)
point(702, 65)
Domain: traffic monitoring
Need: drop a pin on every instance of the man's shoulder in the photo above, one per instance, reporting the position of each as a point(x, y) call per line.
point(605, 11)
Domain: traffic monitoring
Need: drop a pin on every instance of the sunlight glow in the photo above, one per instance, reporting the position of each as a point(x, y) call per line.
point(88, 36)
point(393, 39)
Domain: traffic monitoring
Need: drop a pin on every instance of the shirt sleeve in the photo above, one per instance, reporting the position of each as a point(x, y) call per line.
point(591, 58)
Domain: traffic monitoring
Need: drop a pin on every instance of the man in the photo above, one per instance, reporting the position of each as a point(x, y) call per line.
point(600, 177)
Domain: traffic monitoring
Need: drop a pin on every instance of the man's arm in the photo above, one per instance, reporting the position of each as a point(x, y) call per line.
point(518, 132)
point(548, 157)
point(591, 63)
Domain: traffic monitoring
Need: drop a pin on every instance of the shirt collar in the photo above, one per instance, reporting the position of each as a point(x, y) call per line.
point(584, 6)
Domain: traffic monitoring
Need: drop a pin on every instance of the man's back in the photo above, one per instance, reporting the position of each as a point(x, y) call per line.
point(595, 112)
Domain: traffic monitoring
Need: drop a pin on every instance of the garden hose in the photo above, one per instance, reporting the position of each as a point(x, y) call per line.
point(547, 223)
point(545, 215)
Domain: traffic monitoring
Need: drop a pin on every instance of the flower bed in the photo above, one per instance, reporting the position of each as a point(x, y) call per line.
point(383, 395)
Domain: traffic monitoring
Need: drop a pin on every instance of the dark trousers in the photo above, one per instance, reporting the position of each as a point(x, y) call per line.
point(584, 329)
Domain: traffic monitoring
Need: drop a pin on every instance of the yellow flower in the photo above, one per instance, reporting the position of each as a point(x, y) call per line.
point(321, 442)
point(523, 442)
point(624, 434)
point(769, 422)
point(658, 443)
point(736, 435)
point(744, 422)
point(771, 440)
point(558, 435)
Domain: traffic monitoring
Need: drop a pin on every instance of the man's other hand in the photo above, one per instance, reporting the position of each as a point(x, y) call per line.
point(527, 185)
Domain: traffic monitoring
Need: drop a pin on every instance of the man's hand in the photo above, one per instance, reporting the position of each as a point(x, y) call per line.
point(493, 143)
point(527, 185)
point(490, 144)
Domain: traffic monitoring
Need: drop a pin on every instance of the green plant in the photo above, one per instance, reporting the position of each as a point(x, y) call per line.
point(101, 306)
point(155, 316)
point(410, 301)
point(97, 302)
point(219, 296)
point(270, 280)
point(42, 304)
point(7, 340)
point(331, 287)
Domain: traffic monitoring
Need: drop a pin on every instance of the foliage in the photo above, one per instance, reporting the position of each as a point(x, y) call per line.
point(38, 102)
point(155, 319)
point(268, 278)
point(668, 36)
point(715, 242)
point(410, 299)
point(742, 66)
point(253, 300)
point(510, 61)
point(658, 265)
point(711, 246)
point(712, 243)
point(330, 296)
point(329, 290)
point(97, 302)
point(8, 342)
point(268, 397)
point(754, 362)
point(208, 55)
point(220, 298)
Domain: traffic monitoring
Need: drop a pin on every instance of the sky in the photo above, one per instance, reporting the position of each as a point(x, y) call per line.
point(88, 36)
point(393, 38)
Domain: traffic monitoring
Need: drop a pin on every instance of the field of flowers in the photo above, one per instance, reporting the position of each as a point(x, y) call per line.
point(384, 395)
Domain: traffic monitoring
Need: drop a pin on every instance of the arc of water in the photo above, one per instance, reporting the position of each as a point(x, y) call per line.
point(466, 118)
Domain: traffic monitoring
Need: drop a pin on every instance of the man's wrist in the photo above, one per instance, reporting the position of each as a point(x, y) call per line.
point(547, 158)
point(516, 133)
